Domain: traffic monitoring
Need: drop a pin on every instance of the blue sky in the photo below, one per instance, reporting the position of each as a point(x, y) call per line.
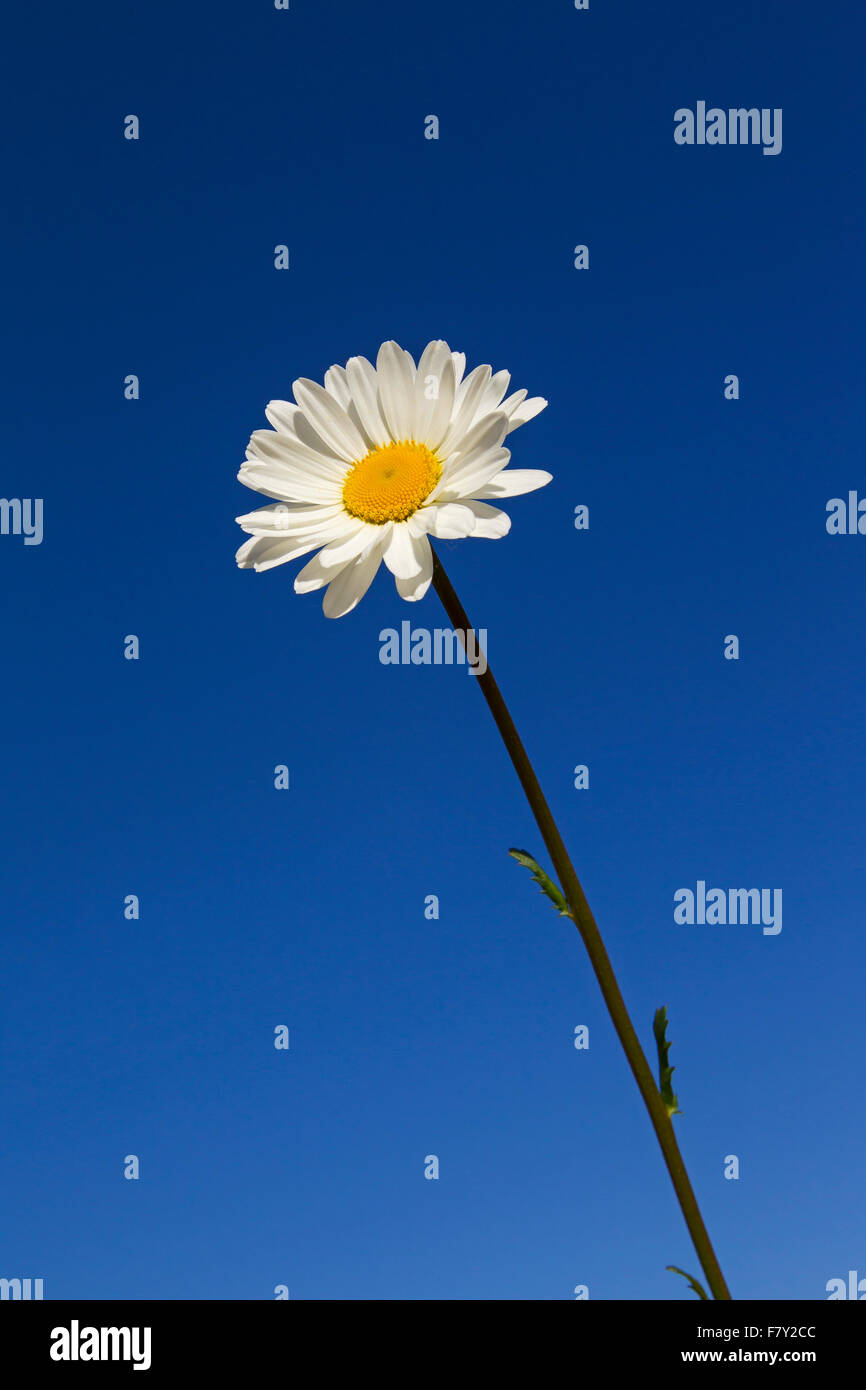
point(305, 907)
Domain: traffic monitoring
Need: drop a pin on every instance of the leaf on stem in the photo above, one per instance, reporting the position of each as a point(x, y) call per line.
point(693, 1282)
point(660, 1023)
point(545, 883)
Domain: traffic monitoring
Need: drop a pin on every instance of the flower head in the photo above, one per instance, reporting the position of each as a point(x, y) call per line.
point(369, 466)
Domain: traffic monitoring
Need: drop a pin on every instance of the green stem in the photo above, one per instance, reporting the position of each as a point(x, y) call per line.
point(591, 936)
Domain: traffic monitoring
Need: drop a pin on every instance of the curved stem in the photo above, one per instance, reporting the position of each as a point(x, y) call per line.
point(586, 925)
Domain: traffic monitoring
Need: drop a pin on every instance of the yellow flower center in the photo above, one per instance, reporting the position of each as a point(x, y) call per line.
point(391, 482)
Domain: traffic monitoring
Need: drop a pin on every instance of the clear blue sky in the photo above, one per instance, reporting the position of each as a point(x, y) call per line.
point(306, 908)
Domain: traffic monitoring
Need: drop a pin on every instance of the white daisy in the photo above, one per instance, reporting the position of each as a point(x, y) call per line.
point(369, 466)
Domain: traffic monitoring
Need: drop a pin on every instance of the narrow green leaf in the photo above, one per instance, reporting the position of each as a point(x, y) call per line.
point(693, 1282)
point(544, 882)
point(660, 1023)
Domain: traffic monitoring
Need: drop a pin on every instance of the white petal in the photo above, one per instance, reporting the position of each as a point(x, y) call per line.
point(399, 553)
point(324, 567)
point(475, 383)
point(297, 434)
point(311, 440)
point(490, 522)
point(395, 373)
point(415, 588)
point(281, 519)
point(433, 425)
point(526, 411)
point(448, 521)
point(459, 360)
point(485, 434)
point(469, 474)
point(351, 584)
point(434, 360)
point(490, 398)
point(354, 541)
point(466, 402)
point(514, 481)
point(362, 380)
point(264, 552)
point(329, 420)
point(288, 483)
point(510, 404)
point(281, 414)
point(474, 403)
point(314, 575)
point(494, 391)
point(337, 386)
point(275, 446)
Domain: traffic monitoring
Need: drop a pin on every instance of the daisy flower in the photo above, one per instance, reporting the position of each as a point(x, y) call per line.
point(367, 467)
